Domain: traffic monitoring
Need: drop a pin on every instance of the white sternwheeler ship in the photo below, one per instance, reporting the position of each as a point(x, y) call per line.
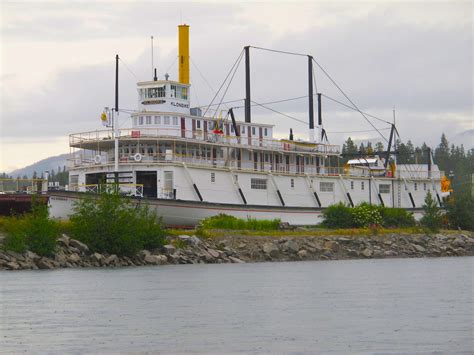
point(189, 166)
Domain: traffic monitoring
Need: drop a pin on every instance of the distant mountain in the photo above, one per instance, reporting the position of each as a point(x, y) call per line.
point(43, 165)
point(465, 138)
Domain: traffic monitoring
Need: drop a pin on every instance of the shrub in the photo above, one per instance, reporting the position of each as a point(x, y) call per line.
point(337, 216)
point(396, 217)
point(110, 223)
point(460, 211)
point(33, 231)
point(364, 215)
point(432, 217)
point(223, 221)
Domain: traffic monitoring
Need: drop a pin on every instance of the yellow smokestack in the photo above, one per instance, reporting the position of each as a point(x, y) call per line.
point(183, 54)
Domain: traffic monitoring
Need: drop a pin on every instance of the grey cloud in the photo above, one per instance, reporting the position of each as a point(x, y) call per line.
point(425, 71)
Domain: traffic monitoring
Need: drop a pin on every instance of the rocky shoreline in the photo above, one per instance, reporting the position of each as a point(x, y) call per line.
point(189, 249)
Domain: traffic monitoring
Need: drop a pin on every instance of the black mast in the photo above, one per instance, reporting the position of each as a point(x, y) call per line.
point(310, 93)
point(247, 85)
point(116, 81)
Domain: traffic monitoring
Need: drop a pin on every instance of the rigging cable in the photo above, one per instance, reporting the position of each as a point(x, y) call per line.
point(228, 85)
point(347, 97)
point(230, 71)
point(353, 108)
point(281, 113)
point(128, 68)
point(278, 51)
point(203, 78)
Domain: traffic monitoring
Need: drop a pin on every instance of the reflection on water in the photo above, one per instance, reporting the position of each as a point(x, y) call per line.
point(400, 305)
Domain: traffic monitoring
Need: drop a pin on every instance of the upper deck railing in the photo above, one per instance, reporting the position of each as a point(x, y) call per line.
point(93, 140)
point(80, 160)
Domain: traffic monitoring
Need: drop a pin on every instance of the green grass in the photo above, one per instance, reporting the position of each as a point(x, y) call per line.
point(309, 232)
point(223, 221)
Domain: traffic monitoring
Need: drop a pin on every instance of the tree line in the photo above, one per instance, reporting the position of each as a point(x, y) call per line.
point(60, 175)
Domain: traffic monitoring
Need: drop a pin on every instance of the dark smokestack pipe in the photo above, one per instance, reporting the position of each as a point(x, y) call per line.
point(155, 78)
point(291, 134)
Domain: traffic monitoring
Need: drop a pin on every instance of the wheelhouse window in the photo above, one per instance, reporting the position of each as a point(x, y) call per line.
point(258, 184)
point(243, 129)
point(140, 120)
point(384, 188)
point(167, 120)
point(253, 131)
point(326, 186)
point(148, 119)
point(157, 119)
point(175, 121)
point(265, 131)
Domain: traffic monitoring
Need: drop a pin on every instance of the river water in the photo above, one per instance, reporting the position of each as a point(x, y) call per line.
point(369, 306)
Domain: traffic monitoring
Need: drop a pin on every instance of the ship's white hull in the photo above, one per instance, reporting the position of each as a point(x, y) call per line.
point(188, 213)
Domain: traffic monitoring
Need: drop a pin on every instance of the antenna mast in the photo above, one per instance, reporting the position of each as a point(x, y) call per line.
point(152, 62)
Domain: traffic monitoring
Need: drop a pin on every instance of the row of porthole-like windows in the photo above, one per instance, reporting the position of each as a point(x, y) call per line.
point(155, 120)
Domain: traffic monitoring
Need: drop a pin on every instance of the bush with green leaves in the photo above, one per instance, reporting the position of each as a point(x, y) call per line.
point(432, 217)
point(111, 223)
point(396, 217)
point(365, 215)
point(32, 231)
point(223, 221)
point(337, 216)
point(460, 211)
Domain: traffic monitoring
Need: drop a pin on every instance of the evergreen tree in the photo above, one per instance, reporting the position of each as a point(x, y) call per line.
point(432, 214)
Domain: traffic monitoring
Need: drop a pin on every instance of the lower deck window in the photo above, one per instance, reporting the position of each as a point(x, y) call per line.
point(258, 184)
point(384, 188)
point(326, 186)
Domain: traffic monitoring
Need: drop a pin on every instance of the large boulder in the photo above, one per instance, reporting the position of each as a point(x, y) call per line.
point(44, 264)
point(303, 254)
point(31, 256)
point(213, 253)
point(419, 248)
point(169, 249)
point(367, 252)
point(271, 249)
point(156, 259)
point(79, 245)
point(97, 257)
point(74, 258)
point(291, 246)
point(12, 265)
point(331, 245)
point(111, 260)
point(236, 260)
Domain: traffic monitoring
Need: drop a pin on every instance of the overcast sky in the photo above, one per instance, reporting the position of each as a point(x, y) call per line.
point(57, 64)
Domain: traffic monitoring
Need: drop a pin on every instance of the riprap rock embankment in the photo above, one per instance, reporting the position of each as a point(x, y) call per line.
point(189, 249)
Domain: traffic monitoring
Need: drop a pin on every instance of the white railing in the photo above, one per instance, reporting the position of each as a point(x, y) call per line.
point(98, 137)
point(126, 189)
